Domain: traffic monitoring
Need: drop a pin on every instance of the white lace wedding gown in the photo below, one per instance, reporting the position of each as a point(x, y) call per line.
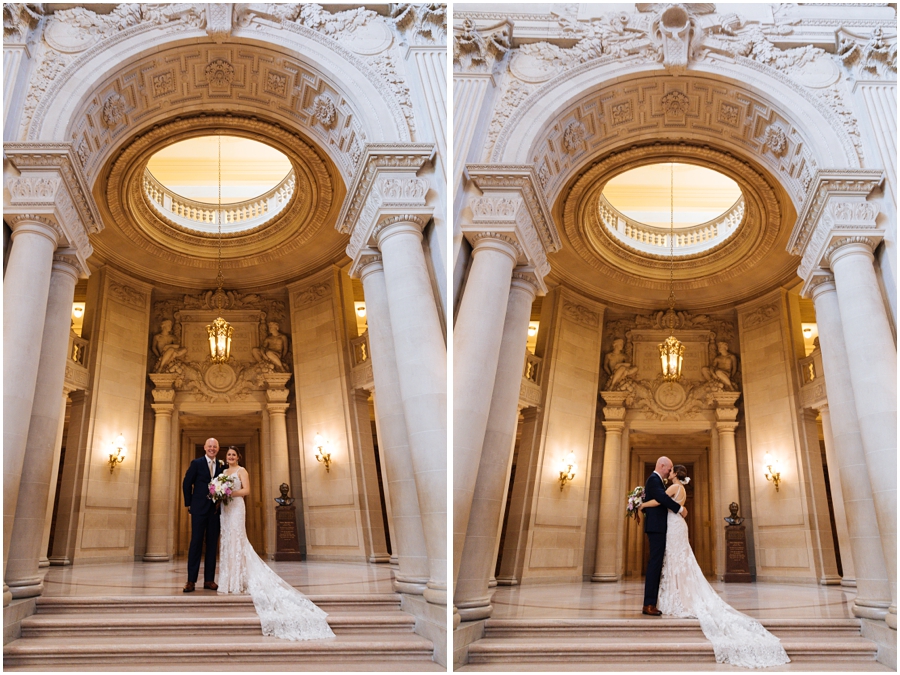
point(283, 610)
point(684, 592)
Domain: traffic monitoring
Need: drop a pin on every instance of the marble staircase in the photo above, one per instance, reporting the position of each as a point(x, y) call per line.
point(213, 632)
point(651, 644)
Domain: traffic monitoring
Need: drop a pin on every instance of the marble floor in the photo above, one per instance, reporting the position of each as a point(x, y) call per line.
point(623, 600)
point(167, 578)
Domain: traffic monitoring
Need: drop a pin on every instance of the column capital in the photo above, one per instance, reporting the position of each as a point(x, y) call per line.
point(836, 206)
point(386, 184)
point(47, 181)
point(819, 282)
point(497, 241)
point(481, 49)
point(66, 261)
point(726, 427)
point(398, 223)
point(163, 409)
point(277, 408)
point(527, 279)
point(512, 203)
point(845, 246)
point(368, 261)
point(614, 426)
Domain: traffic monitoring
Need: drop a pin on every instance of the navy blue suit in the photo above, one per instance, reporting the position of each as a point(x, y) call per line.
point(204, 518)
point(655, 525)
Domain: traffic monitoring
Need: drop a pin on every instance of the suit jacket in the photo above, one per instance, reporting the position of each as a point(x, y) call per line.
point(196, 486)
point(655, 519)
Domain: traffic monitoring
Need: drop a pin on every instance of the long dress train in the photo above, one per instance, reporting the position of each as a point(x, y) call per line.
point(283, 610)
point(737, 639)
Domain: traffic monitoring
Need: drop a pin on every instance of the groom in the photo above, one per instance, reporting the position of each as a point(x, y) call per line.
point(204, 515)
point(655, 523)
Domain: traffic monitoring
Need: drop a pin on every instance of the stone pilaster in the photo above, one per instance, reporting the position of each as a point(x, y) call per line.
point(44, 560)
point(835, 481)
point(367, 478)
point(162, 487)
point(606, 558)
point(727, 485)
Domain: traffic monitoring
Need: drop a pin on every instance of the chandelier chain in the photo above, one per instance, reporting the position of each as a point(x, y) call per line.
point(672, 235)
point(220, 279)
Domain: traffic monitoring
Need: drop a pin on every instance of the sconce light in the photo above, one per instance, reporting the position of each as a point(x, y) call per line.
point(118, 456)
point(323, 451)
point(532, 329)
point(773, 470)
point(807, 331)
point(77, 311)
point(361, 311)
point(567, 470)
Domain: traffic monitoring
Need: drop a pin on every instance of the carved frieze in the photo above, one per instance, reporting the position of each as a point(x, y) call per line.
point(127, 295)
point(312, 294)
point(762, 315)
point(481, 50)
point(581, 314)
point(868, 57)
point(420, 23)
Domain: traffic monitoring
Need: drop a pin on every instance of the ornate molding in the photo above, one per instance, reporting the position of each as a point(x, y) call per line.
point(581, 314)
point(127, 295)
point(219, 21)
point(420, 23)
point(867, 57)
point(762, 315)
point(312, 294)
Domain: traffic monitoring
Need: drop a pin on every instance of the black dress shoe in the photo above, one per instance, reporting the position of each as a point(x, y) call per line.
point(650, 610)
point(211, 585)
point(188, 587)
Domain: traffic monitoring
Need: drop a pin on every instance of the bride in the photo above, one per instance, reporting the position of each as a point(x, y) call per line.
point(684, 592)
point(283, 611)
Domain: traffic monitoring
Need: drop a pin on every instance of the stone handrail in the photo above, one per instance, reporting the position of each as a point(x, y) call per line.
point(360, 347)
point(810, 367)
point(78, 349)
point(688, 241)
point(234, 217)
point(531, 372)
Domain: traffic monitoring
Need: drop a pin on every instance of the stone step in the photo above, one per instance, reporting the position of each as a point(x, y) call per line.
point(205, 601)
point(650, 648)
point(676, 664)
point(243, 621)
point(657, 627)
point(214, 652)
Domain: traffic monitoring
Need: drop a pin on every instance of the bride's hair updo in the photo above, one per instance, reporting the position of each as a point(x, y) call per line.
point(238, 453)
point(680, 472)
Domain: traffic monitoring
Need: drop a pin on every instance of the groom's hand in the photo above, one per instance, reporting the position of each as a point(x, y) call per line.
point(189, 510)
point(683, 512)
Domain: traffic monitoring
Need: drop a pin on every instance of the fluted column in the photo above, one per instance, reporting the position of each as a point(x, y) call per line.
point(872, 357)
point(477, 336)
point(44, 560)
point(605, 563)
point(408, 538)
point(422, 375)
point(872, 590)
point(161, 484)
point(471, 596)
point(835, 480)
point(22, 574)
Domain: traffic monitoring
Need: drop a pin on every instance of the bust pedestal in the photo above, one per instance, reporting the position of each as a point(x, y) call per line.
point(737, 566)
point(287, 546)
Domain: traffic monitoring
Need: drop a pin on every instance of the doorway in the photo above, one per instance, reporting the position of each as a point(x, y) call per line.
point(698, 503)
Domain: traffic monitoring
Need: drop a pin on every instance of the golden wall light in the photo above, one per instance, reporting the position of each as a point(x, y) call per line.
point(773, 470)
point(567, 469)
point(118, 456)
point(77, 311)
point(532, 329)
point(323, 451)
point(360, 310)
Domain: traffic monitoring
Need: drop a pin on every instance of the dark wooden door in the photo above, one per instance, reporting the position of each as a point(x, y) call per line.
point(688, 504)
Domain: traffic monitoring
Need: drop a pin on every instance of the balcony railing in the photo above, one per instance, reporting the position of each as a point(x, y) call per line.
point(810, 367)
point(78, 350)
point(532, 367)
point(360, 347)
point(688, 241)
point(206, 217)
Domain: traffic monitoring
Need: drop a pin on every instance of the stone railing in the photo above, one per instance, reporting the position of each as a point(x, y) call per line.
point(78, 350)
point(360, 347)
point(532, 368)
point(813, 393)
point(530, 389)
point(202, 216)
point(688, 241)
point(361, 369)
point(77, 375)
point(808, 370)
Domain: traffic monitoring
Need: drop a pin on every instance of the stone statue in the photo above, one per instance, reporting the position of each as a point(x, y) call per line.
point(617, 366)
point(284, 500)
point(723, 368)
point(733, 519)
point(166, 347)
point(274, 349)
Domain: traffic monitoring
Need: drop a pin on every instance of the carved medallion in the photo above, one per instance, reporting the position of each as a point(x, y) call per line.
point(67, 38)
point(370, 38)
point(113, 110)
point(324, 111)
point(670, 395)
point(220, 377)
point(219, 73)
point(531, 67)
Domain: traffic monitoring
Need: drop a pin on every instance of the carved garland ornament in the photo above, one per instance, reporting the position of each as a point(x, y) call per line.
point(219, 73)
point(762, 315)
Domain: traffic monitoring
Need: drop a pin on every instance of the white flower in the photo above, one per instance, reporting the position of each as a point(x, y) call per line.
point(686, 480)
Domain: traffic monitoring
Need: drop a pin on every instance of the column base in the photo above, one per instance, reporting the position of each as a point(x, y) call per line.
point(395, 561)
point(27, 588)
point(456, 618)
point(891, 618)
point(492, 583)
point(870, 609)
point(830, 580)
point(436, 594)
point(43, 562)
point(507, 581)
point(156, 557)
point(380, 559)
point(474, 610)
point(411, 586)
point(59, 561)
point(604, 577)
point(849, 583)
point(7, 596)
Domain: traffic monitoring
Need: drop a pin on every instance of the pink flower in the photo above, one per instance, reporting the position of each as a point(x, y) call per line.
point(227, 491)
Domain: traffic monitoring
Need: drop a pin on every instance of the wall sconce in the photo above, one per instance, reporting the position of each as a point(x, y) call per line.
point(77, 311)
point(118, 456)
point(323, 451)
point(360, 310)
point(807, 332)
point(532, 329)
point(773, 470)
point(567, 470)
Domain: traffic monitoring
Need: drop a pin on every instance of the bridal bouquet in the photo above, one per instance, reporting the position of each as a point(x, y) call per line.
point(221, 488)
point(635, 497)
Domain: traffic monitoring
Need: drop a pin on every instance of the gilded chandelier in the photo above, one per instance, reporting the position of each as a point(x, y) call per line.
point(671, 352)
point(219, 331)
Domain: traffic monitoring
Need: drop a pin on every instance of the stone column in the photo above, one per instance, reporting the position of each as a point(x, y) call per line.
point(408, 537)
point(44, 560)
point(605, 563)
point(848, 576)
point(367, 479)
point(477, 336)
point(872, 590)
point(22, 573)
point(472, 595)
point(26, 286)
point(71, 481)
point(161, 475)
point(872, 358)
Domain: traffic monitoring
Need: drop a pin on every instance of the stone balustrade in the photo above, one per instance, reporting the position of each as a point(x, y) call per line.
point(688, 241)
point(362, 375)
point(203, 216)
point(808, 368)
point(530, 389)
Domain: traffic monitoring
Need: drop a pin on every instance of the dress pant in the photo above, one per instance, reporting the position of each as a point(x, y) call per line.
point(204, 526)
point(654, 566)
